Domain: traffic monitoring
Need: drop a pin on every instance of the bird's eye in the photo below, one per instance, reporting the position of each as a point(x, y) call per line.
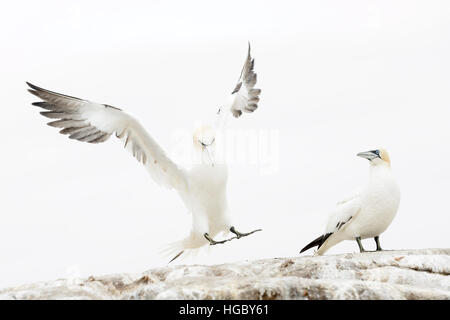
point(377, 152)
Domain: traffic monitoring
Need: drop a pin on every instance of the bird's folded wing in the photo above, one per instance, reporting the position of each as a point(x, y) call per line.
point(353, 195)
point(343, 214)
point(244, 97)
point(94, 123)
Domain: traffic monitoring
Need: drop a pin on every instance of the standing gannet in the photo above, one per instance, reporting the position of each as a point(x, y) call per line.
point(366, 214)
point(202, 188)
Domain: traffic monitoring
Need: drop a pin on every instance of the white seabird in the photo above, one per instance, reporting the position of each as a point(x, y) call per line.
point(202, 188)
point(367, 213)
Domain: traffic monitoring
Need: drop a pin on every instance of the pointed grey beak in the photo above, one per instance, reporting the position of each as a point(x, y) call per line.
point(205, 147)
point(209, 155)
point(369, 155)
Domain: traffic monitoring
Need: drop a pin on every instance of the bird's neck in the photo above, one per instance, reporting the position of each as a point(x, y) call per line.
point(379, 171)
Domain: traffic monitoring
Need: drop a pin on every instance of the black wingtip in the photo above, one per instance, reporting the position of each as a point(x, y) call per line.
point(306, 248)
point(32, 86)
point(315, 243)
point(33, 92)
point(318, 242)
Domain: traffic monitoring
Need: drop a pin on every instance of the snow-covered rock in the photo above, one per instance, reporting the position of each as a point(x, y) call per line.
point(408, 274)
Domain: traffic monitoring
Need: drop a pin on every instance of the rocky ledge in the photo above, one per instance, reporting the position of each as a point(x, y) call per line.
point(406, 274)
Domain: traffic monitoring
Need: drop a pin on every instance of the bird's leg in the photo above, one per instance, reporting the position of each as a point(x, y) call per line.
point(240, 235)
point(361, 248)
point(377, 241)
point(213, 242)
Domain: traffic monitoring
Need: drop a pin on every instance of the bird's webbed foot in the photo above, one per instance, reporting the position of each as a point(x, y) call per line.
point(213, 242)
point(240, 235)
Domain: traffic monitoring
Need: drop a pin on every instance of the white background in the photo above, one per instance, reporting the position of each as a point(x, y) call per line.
point(337, 77)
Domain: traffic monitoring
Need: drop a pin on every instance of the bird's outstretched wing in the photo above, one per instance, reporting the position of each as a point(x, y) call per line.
point(244, 97)
point(94, 123)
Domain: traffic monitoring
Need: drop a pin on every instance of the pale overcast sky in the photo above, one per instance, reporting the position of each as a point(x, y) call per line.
point(337, 78)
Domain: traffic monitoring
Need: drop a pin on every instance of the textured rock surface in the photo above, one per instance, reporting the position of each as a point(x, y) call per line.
point(408, 274)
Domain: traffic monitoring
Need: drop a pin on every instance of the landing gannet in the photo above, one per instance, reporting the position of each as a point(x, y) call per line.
point(202, 188)
point(366, 214)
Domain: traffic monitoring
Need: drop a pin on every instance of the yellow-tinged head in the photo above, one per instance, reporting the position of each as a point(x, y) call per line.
point(376, 157)
point(203, 137)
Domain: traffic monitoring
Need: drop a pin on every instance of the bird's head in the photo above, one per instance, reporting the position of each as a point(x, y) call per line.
point(204, 140)
point(376, 157)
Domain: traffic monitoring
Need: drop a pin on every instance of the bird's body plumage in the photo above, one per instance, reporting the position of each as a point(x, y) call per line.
point(207, 201)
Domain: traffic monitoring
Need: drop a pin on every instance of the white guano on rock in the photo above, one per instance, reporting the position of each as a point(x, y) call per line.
point(406, 274)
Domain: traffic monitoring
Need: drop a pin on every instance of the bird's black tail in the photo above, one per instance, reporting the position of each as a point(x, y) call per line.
point(316, 242)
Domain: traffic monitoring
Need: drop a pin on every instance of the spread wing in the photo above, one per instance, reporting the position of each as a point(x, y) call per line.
point(92, 122)
point(244, 97)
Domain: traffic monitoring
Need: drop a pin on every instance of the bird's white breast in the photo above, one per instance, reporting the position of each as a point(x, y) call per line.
point(380, 200)
point(207, 187)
